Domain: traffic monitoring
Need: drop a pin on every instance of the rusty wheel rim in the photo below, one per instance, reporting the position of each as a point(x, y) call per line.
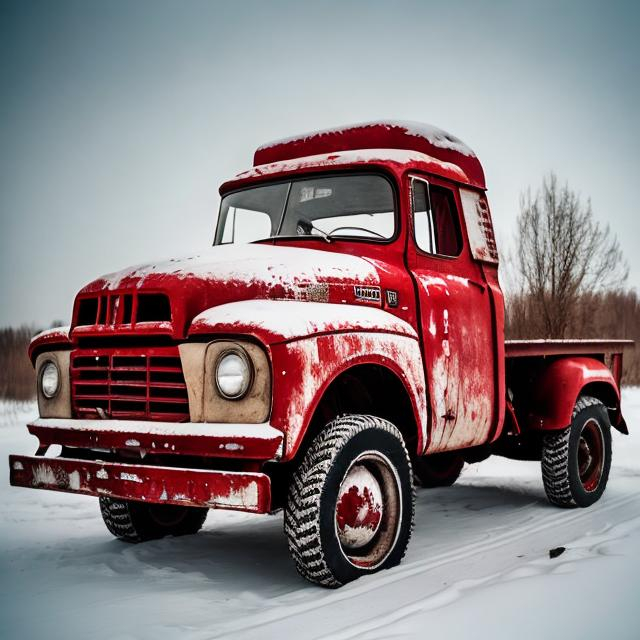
point(590, 455)
point(368, 510)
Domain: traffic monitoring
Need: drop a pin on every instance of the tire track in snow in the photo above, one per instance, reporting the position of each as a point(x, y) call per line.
point(457, 590)
point(488, 542)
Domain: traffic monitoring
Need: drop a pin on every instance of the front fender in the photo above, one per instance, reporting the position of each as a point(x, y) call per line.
point(274, 321)
point(557, 389)
point(304, 369)
point(49, 340)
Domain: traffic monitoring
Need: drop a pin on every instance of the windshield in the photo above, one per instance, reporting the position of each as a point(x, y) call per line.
point(360, 206)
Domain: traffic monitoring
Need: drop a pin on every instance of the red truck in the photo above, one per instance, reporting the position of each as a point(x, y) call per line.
point(343, 338)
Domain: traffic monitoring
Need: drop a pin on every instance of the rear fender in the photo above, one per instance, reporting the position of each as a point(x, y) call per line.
point(557, 389)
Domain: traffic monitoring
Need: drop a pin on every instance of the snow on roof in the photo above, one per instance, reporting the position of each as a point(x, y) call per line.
point(364, 156)
point(434, 135)
point(389, 134)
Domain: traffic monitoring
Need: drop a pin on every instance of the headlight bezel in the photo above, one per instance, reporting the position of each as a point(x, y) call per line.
point(49, 362)
point(239, 352)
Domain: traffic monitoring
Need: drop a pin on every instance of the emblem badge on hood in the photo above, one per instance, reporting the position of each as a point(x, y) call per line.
point(371, 294)
point(392, 298)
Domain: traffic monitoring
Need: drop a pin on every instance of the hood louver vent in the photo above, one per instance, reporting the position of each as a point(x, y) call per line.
point(117, 309)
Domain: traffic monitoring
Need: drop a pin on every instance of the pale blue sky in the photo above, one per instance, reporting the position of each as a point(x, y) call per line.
point(118, 120)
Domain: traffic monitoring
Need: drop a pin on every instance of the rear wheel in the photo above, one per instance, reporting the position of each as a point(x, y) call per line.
point(138, 521)
point(439, 470)
point(351, 502)
point(576, 460)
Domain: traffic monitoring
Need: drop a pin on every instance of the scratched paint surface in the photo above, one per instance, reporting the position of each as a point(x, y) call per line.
point(459, 357)
point(302, 369)
point(359, 508)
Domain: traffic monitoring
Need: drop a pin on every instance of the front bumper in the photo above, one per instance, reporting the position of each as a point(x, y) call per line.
point(240, 491)
point(153, 483)
point(216, 440)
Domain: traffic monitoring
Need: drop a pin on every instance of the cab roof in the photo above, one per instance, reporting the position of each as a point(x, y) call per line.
point(399, 159)
point(424, 139)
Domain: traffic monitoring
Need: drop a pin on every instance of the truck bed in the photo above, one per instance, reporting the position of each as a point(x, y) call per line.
point(533, 348)
point(526, 365)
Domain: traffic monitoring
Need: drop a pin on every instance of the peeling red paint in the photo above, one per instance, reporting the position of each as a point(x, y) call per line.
point(313, 363)
point(357, 509)
point(242, 491)
point(318, 309)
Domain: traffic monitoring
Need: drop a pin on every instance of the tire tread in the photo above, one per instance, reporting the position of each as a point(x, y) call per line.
point(555, 459)
point(130, 522)
point(302, 521)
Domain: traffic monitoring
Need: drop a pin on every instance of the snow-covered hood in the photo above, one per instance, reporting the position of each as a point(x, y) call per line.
point(230, 273)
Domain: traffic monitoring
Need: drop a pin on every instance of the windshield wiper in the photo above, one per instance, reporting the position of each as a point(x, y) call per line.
point(371, 231)
point(306, 222)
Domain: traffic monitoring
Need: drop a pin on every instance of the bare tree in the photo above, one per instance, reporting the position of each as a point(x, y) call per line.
point(562, 254)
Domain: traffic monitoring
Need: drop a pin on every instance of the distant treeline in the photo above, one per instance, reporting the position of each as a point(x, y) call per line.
point(602, 315)
point(17, 377)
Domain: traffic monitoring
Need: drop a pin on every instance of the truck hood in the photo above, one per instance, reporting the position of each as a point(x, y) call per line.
point(230, 273)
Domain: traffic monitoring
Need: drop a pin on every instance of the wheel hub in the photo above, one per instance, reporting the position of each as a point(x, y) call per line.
point(584, 455)
point(359, 508)
point(590, 455)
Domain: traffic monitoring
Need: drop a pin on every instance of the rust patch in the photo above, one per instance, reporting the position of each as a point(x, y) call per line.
point(313, 292)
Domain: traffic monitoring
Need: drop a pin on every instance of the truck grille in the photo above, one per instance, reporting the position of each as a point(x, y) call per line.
point(138, 384)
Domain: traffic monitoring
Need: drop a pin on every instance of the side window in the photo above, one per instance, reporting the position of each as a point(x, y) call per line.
point(437, 227)
point(445, 222)
point(422, 216)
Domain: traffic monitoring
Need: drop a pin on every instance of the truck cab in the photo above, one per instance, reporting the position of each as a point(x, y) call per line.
point(343, 337)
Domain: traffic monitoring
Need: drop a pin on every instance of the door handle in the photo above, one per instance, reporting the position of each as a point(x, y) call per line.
point(480, 286)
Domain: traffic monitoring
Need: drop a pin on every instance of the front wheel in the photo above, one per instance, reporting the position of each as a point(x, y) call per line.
point(351, 502)
point(133, 521)
point(576, 460)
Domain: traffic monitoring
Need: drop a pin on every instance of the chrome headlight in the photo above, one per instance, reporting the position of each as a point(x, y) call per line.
point(234, 374)
point(49, 379)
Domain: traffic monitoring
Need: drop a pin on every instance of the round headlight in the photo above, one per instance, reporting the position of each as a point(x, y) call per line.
point(49, 379)
point(234, 374)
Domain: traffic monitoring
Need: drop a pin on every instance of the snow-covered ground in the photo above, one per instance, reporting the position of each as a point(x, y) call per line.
point(478, 566)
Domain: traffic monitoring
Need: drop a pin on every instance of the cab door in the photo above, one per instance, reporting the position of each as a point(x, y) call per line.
point(456, 318)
